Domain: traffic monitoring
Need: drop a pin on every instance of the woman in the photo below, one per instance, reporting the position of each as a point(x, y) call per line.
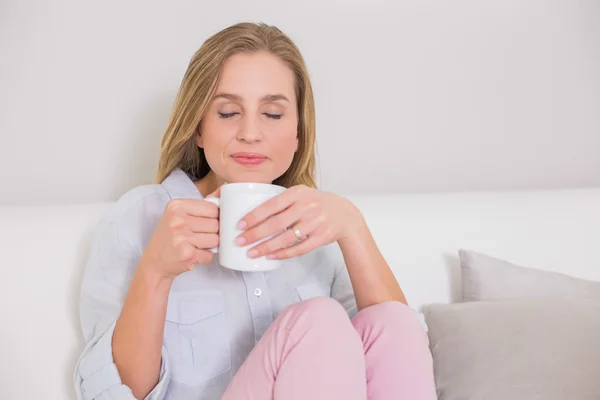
point(161, 318)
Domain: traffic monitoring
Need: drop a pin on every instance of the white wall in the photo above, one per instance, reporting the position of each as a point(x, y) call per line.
point(411, 95)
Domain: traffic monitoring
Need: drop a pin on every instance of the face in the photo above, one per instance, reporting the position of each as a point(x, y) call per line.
point(250, 130)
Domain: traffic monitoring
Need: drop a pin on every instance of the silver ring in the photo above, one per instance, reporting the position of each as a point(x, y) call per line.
point(297, 233)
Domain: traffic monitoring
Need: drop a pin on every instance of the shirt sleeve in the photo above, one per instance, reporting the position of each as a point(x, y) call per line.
point(108, 272)
point(341, 288)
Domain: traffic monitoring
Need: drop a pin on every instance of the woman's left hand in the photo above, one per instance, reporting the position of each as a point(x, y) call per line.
point(318, 217)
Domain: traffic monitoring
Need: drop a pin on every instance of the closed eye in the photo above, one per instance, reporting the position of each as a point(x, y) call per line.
point(273, 116)
point(227, 115)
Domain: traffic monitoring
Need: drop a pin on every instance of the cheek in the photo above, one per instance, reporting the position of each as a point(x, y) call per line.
point(284, 134)
point(285, 144)
point(288, 141)
point(214, 141)
point(214, 134)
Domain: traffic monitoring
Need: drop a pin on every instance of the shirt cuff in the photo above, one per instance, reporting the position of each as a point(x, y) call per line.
point(352, 311)
point(97, 377)
point(421, 318)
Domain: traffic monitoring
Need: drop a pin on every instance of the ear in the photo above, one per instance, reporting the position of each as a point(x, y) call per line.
point(296, 148)
point(199, 139)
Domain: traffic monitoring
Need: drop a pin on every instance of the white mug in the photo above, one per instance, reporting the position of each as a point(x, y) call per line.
point(237, 200)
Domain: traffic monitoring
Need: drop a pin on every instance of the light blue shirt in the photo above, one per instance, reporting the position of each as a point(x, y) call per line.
point(215, 316)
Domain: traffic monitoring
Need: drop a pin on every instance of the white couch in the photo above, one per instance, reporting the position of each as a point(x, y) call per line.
point(43, 250)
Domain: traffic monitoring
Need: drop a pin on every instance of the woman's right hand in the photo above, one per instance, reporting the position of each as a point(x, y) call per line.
point(183, 237)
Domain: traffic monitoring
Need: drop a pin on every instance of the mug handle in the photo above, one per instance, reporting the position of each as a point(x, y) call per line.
point(217, 202)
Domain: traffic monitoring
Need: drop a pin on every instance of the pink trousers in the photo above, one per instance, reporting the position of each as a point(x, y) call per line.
point(313, 351)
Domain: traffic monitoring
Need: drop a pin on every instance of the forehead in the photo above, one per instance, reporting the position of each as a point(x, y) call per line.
point(252, 75)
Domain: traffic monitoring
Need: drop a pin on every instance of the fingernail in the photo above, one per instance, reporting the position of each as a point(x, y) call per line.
point(240, 240)
point(271, 256)
point(253, 253)
point(241, 224)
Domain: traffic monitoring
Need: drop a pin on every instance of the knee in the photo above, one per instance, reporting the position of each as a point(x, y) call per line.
point(322, 307)
point(319, 313)
point(391, 316)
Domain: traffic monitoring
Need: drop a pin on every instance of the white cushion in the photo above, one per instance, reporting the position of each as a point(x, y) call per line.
point(42, 256)
point(43, 249)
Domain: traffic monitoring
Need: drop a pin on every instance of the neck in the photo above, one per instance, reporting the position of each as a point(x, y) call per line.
point(209, 184)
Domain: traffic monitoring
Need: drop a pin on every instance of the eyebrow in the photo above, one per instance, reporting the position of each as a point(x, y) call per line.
point(234, 97)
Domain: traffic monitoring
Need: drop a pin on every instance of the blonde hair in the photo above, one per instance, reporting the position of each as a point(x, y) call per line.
point(179, 148)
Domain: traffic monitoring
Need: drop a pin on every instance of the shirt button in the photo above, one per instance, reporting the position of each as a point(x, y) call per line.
point(257, 292)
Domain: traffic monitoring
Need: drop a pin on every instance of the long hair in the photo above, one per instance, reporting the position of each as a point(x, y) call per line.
point(179, 148)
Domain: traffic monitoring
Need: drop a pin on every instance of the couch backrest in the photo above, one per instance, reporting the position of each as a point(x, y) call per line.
point(43, 250)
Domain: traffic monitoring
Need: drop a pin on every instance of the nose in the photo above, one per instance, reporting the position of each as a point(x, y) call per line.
point(249, 131)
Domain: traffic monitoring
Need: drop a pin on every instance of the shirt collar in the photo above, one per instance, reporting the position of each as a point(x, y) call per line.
point(180, 186)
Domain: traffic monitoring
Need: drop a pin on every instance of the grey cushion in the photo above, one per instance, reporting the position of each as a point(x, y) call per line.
point(487, 278)
point(517, 350)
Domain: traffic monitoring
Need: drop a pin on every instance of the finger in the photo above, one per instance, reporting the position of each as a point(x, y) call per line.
point(193, 256)
point(203, 241)
point(273, 206)
point(203, 257)
point(203, 225)
point(303, 247)
point(274, 225)
point(193, 207)
point(283, 240)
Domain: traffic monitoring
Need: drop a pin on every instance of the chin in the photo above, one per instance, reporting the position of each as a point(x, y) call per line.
point(249, 177)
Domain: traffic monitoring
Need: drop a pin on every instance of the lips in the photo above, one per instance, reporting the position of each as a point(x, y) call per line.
point(249, 158)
